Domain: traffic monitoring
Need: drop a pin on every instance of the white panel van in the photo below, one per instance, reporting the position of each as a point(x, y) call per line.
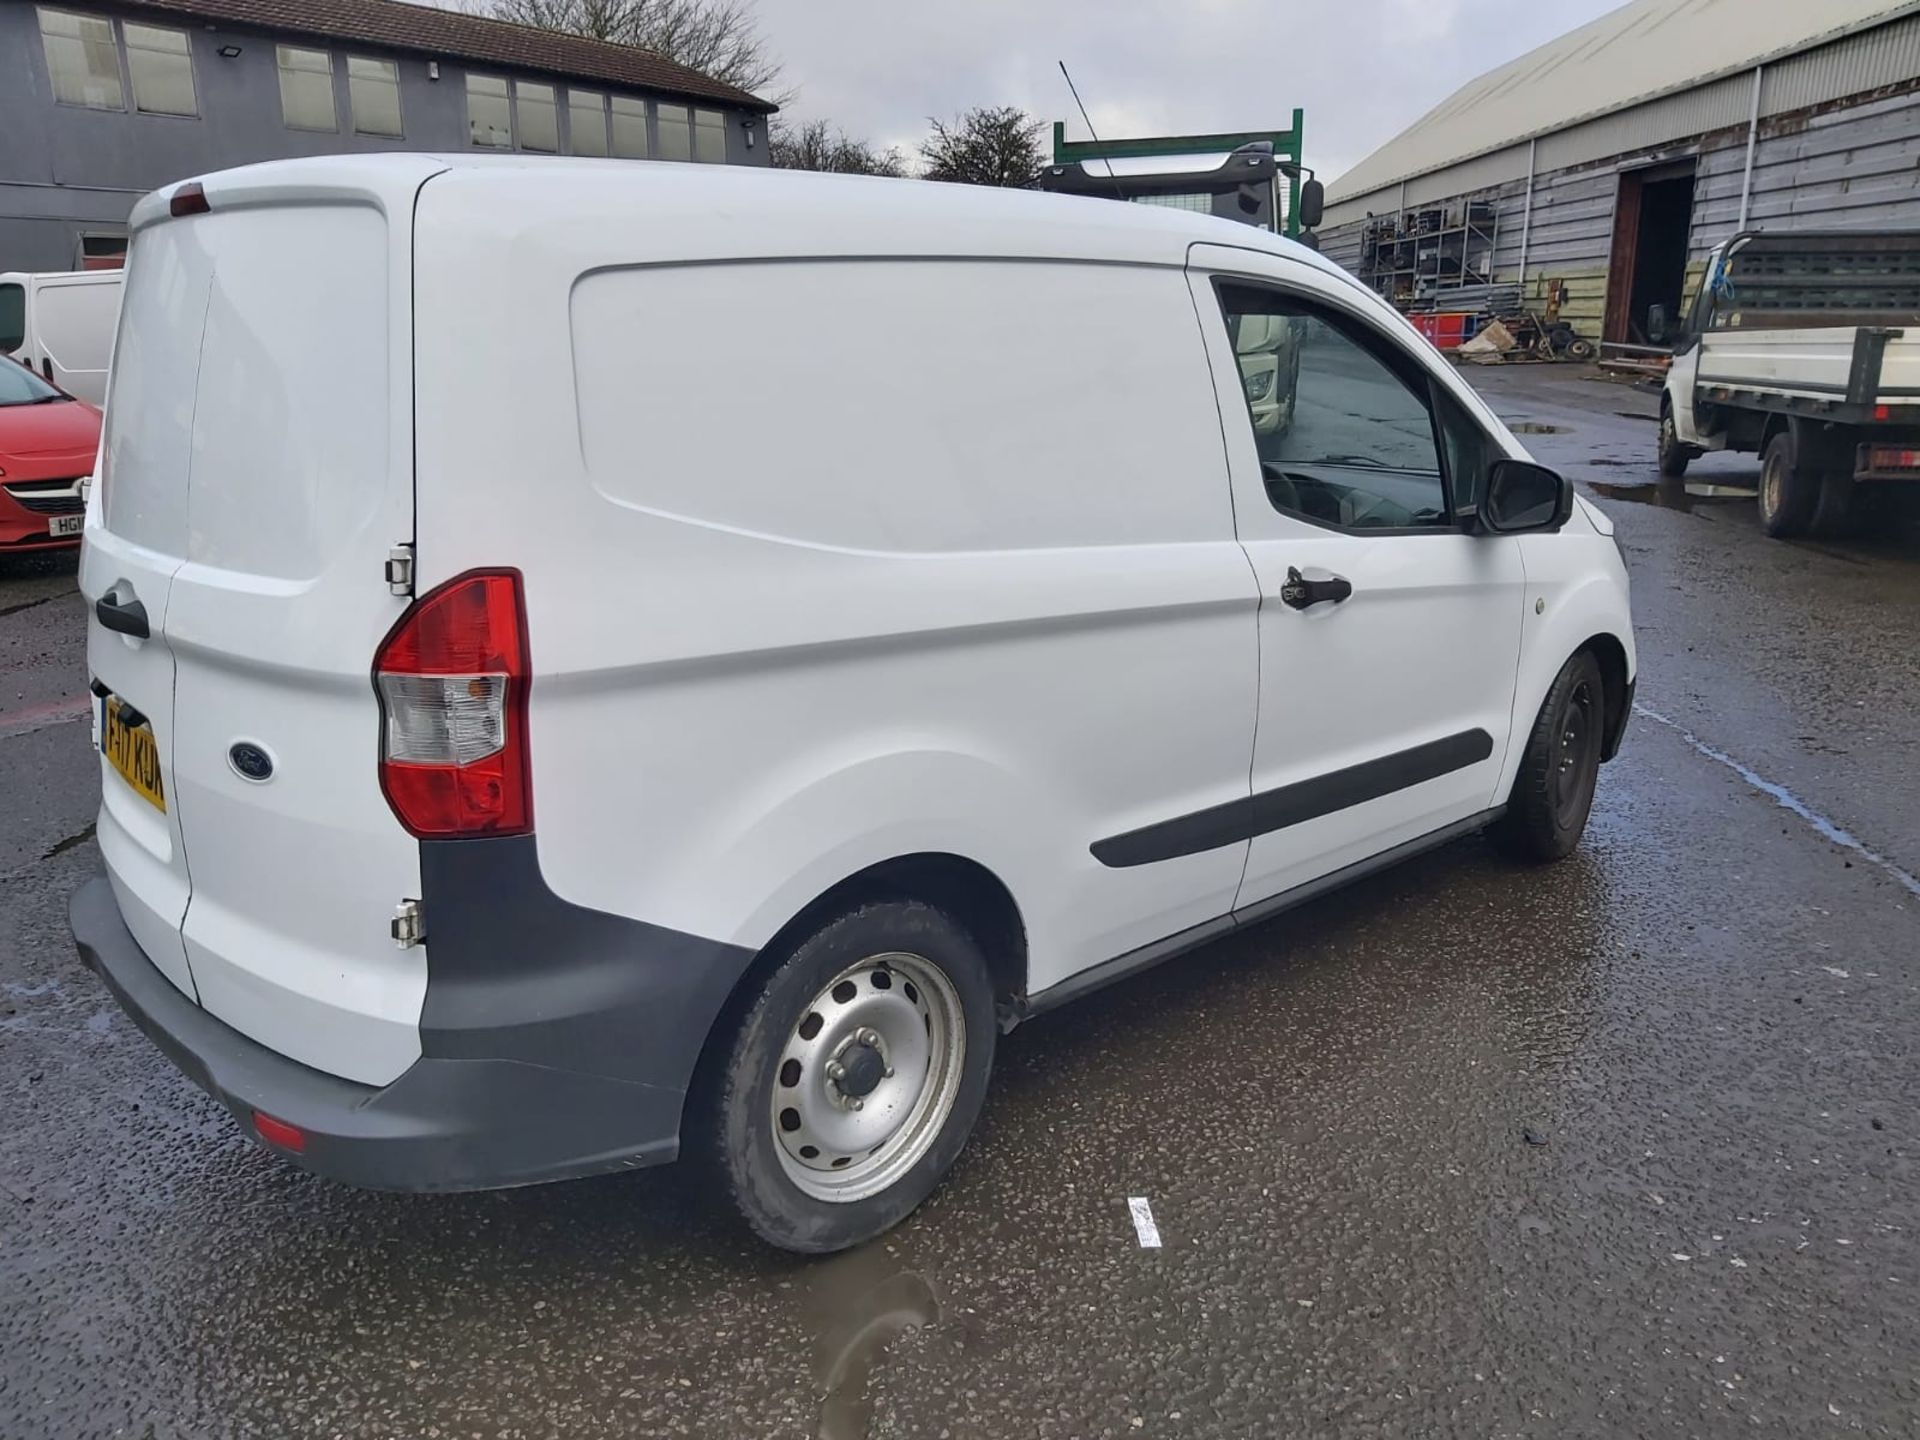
point(541, 737)
point(60, 324)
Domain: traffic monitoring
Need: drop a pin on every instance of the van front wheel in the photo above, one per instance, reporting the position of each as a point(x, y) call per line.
point(1674, 453)
point(1547, 811)
point(855, 1077)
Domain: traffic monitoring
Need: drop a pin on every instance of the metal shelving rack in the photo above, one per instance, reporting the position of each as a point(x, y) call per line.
point(1414, 257)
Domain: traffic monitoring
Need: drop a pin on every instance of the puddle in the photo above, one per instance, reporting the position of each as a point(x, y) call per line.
point(860, 1304)
point(1535, 427)
point(1669, 496)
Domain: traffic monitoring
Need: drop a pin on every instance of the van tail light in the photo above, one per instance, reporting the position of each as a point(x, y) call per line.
point(189, 199)
point(452, 681)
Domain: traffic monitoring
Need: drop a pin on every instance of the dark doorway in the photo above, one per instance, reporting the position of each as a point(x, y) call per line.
point(1651, 221)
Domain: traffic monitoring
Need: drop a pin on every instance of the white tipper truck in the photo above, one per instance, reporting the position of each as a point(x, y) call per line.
point(1802, 347)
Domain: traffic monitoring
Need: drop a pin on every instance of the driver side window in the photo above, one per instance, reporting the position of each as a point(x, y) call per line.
point(1343, 440)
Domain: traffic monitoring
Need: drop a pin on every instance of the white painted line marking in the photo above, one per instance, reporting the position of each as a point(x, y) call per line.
point(1785, 799)
point(1143, 1225)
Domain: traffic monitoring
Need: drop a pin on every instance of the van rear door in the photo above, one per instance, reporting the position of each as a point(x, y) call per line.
point(284, 403)
point(136, 535)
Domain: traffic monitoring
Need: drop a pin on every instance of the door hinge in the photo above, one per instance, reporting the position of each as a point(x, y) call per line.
point(409, 926)
point(400, 570)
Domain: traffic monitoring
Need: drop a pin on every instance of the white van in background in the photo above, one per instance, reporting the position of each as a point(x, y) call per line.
point(59, 324)
point(522, 760)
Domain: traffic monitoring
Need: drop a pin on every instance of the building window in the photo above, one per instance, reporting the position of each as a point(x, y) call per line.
point(373, 96)
point(489, 116)
point(710, 137)
point(82, 59)
point(587, 122)
point(538, 121)
point(676, 132)
point(630, 128)
point(161, 68)
point(306, 88)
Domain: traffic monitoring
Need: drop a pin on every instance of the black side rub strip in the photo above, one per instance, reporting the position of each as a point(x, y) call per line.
point(1293, 804)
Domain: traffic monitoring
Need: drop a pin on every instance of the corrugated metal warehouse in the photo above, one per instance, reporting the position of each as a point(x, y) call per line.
point(1614, 158)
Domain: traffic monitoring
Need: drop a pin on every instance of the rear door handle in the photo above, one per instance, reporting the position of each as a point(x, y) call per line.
point(127, 617)
point(1300, 592)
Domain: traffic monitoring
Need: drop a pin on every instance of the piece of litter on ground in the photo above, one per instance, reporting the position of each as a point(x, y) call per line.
point(1737, 1263)
point(1833, 1409)
point(1678, 1256)
point(1533, 1137)
point(1143, 1225)
point(1836, 971)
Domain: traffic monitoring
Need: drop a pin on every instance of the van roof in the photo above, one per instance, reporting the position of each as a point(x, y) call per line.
point(64, 277)
point(687, 211)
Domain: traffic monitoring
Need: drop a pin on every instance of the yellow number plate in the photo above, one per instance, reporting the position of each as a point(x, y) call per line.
point(132, 750)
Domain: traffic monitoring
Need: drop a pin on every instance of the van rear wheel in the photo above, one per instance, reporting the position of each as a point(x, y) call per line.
point(1789, 488)
point(855, 1077)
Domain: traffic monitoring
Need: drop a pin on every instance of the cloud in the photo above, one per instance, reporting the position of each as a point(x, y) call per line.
point(1361, 69)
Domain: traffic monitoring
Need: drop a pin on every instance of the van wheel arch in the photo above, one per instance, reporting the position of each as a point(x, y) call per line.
point(1612, 658)
point(965, 890)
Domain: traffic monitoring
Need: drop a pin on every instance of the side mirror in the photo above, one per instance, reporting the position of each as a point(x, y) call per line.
point(1521, 496)
point(1313, 204)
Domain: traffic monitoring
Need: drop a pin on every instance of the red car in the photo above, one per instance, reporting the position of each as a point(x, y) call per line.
point(48, 441)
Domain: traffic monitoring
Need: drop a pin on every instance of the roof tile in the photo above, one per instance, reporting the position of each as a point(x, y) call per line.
point(450, 35)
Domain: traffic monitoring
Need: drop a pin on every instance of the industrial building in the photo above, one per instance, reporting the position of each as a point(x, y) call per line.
point(100, 103)
point(1612, 159)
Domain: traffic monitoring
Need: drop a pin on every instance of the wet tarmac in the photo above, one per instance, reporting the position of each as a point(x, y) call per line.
point(1626, 1146)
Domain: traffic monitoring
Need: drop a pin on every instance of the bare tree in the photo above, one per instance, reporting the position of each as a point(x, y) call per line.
point(990, 145)
point(720, 38)
point(816, 145)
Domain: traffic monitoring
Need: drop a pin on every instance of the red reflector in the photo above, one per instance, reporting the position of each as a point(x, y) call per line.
point(189, 199)
point(451, 678)
point(279, 1132)
point(1883, 412)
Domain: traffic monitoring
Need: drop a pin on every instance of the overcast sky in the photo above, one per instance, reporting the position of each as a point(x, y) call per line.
point(1363, 70)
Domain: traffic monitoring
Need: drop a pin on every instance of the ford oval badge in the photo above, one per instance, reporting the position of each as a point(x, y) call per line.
point(249, 761)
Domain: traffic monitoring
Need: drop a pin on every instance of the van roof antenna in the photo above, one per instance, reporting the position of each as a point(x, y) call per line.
point(1119, 190)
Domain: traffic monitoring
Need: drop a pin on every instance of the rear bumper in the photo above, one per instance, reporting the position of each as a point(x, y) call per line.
point(446, 1124)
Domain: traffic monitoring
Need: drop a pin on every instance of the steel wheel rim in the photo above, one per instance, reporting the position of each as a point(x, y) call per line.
point(1771, 483)
point(1577, 733)
point(867, 1077)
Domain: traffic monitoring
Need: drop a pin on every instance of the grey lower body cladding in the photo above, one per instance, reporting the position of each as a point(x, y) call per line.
point(556, 1040)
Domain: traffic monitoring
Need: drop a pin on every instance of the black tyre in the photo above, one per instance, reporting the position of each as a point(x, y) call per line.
point(1553, 793)
point(1673, 454)
point(1789, 490)
point(1836, 512)
point(854, 1079)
